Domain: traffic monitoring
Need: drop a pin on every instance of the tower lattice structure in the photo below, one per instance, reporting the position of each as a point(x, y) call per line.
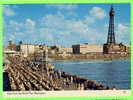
point(111, 33)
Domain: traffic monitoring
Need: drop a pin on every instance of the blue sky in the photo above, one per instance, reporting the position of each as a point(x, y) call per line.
point(64, 24)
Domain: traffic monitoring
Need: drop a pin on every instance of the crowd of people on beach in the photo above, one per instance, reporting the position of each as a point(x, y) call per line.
point(60, 79)
point(53, 75)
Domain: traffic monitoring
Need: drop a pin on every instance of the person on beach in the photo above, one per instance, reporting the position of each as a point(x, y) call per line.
point(71, 79)
point(78, 87)
point(59, 74)
point(81, 86)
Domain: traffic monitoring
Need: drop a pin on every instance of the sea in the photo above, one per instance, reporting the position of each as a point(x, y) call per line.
point(115, 73)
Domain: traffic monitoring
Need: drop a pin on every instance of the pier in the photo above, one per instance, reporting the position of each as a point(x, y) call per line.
point(25, 75)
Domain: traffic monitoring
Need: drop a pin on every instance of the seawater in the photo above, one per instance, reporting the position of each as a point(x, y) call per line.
point(115, 73)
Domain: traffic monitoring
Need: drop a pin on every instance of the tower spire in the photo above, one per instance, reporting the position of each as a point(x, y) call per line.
point(111, 33)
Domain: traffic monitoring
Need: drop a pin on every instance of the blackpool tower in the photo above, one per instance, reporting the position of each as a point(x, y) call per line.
point(111, 46)
point(111, 33)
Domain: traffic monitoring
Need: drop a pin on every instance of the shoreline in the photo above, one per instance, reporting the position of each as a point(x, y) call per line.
point(104, 57)
point(92, 59)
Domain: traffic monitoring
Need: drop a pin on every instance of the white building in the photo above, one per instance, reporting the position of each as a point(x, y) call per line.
point(27, 49)
point(87, 48)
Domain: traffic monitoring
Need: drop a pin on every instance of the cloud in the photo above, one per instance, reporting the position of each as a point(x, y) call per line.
point(8, 11)
point(97, 12)
point(15, 23)
point(106, 25)
point(123, 28)
point(52, 20)
point(46, 34)
point(123, 33)
point(17, 31)
point(30, 24)
point(89, 19)
point(63, 6)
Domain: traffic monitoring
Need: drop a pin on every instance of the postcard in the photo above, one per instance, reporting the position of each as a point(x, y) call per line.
point(66, 50)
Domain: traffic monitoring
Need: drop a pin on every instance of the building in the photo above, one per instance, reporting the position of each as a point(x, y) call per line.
point(10, 53)
point(128, 49)
point(66, 50)
point(111, 46)
point(11, 46)
point(60, 50)
point(87, 48)
point(38, 48)
point(27, 49)
point(115, 48)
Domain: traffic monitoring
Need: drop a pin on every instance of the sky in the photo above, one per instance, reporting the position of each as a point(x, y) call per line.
point(64, 24)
